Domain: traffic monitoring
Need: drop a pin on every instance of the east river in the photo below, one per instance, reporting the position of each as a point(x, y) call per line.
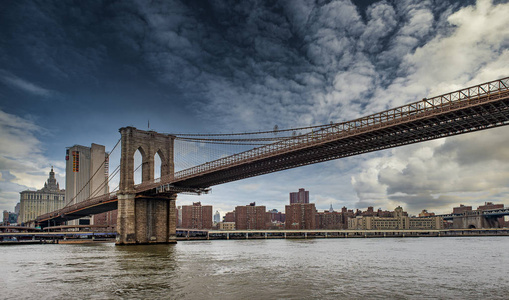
point(383, 268)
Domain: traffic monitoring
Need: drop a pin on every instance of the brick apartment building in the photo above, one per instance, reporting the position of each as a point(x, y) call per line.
point(300, 216)
point(251, 217)
point(197, 216)
point(229, 217)
point(302, 196)
point(329, 220)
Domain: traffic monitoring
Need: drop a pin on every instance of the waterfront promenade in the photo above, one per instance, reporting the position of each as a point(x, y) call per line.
point(321, 233)
point(194, 234)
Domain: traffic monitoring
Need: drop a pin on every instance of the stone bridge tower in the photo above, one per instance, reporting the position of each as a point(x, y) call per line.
point(145, 218)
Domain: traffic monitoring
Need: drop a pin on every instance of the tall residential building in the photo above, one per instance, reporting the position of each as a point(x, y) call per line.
point(251, 217)
point(300, 216)
point(197, 216)
point(329, 220)
point(86, 176)
point(217, 217)
point(35, 203)
point(302, 196)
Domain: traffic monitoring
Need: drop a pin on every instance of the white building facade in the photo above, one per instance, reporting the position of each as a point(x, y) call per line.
point(35, 203)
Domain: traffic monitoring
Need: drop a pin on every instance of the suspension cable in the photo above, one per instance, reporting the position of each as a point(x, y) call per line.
point(269, 139)
point(256, 132)
point(106, 181)
point(212, 141)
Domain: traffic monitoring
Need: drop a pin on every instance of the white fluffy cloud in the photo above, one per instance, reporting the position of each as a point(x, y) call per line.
point(22, 163)
point(438, 174)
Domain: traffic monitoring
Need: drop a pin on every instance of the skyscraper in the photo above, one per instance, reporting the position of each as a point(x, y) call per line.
point(217, 217)
point(86, 175)
point(302, 196)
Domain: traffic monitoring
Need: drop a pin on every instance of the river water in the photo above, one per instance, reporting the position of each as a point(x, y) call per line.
point(372, 268)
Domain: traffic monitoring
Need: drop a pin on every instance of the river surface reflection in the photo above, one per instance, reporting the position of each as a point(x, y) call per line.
point(395, 268)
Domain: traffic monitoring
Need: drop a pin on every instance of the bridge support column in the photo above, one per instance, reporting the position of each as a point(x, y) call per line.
point(126, 233)
point(146, 220)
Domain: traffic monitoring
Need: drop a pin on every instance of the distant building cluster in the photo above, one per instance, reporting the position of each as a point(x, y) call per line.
point(86, 176)
point(398, 220)
point(299, 214)
point(10, 218)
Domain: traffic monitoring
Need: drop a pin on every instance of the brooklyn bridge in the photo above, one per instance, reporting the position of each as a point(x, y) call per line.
point(146, 211)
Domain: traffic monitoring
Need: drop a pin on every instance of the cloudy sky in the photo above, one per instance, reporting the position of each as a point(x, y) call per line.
point(74, 72)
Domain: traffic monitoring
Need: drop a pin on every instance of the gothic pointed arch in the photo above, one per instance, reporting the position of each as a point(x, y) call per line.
point(149, 143)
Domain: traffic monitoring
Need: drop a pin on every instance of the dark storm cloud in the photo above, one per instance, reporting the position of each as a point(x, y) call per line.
point(51, 38)
point(298, 62)
point(253, 60)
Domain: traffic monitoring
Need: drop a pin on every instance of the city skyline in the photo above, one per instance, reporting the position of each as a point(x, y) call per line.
point(74, 74)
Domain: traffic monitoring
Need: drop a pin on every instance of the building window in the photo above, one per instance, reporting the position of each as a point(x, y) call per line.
point(75, 161)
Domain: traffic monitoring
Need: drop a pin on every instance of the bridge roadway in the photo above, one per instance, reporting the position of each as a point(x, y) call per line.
point(471, 109)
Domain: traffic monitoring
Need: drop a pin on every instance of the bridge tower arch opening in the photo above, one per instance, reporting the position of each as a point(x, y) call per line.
point(157, 165)
point(137, 172)
point(147, 217)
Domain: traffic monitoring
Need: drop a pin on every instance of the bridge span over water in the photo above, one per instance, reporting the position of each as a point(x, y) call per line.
point(146, 210)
